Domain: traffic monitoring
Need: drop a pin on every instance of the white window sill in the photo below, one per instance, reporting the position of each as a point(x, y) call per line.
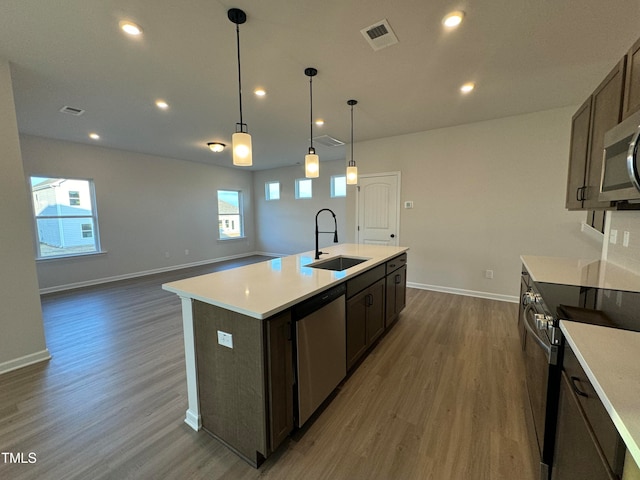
point(231, 239)
point(67, 257)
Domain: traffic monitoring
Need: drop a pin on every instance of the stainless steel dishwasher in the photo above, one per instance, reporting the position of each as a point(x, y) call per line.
point(321, 352)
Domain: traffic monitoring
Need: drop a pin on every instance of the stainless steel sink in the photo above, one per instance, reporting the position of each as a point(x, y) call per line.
point(337, 263)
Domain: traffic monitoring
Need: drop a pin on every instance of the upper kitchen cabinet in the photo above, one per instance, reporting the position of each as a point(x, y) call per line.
point(632, 82)
point(578, 155)
point(604, 110)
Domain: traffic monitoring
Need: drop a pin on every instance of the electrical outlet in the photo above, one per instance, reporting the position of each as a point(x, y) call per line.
point(186, 251)
point(166, 255)
point(625, 239)
point(613, 237)
point(488, 274)
point(225, 339)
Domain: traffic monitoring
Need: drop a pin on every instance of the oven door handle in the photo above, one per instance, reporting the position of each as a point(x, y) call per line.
point(535, 335)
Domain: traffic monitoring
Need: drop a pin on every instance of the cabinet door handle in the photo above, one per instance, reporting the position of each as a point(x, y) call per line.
point(397, 279)
point(576, 389)
point(368, 300)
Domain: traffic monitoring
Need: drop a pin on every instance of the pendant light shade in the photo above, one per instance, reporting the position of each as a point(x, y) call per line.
point(241, 140)
point(352, 170)
point(311, 160)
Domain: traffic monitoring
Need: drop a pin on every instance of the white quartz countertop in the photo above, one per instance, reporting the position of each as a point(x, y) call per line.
point(263, 289)
point(611, 359)
point(580, 272)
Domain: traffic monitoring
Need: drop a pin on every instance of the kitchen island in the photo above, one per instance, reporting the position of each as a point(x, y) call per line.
point(238, 341)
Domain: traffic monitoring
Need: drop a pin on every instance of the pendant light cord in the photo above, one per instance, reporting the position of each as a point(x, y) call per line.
point(239, 75)
point(311, 149)
point(352, 161)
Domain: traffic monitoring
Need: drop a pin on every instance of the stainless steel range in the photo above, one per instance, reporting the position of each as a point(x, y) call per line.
point(542, 306)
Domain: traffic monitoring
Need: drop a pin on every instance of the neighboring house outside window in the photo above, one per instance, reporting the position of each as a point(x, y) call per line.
point(65, 217)
point(230, 212)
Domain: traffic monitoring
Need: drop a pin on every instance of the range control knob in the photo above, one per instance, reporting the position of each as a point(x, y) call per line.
point(543, 322)
point(530, 297)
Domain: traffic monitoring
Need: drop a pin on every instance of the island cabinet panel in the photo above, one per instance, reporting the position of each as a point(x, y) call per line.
point(231, 381)
point(365, 318)
point(396, 285)
point(280, 377)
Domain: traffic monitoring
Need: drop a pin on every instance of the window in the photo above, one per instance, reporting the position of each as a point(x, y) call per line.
point(272, 190)
point(230, 224)
point(303, 188)
point(65, 217)
point(74, 198)
point(338, 186)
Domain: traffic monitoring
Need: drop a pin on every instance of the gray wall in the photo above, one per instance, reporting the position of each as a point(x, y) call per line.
point(483, 193)
point(287, 226)
point(148, 206)
point(21, 332)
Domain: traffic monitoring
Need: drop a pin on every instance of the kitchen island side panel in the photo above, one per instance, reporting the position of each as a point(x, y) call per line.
point(231, 381)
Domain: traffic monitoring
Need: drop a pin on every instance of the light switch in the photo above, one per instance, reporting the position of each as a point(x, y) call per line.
point(225, 339)
point(625, 239)
point(613, 237)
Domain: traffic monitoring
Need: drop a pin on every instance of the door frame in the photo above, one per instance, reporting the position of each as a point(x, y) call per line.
point(398, 176)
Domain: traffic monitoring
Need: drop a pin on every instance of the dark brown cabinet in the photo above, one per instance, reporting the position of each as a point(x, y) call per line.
point(631, 102)
point(280, 379)
point(396, 284)
point(365, 320)
point(588, 445)
point(603, 110)
point(578, 154)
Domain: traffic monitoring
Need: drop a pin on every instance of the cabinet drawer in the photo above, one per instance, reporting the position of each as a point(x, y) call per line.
point(598, 417)
point(396, 263)
point(365, 279)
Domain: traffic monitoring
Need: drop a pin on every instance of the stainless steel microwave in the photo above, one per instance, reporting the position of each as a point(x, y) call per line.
point(621, 162)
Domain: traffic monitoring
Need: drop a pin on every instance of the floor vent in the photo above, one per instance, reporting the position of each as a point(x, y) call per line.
point(379, 35)
point(327, 141)
point(72, 110)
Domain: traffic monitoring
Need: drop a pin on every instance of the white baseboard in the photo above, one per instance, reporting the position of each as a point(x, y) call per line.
point(27, 360)
point(467, 293)
point(115, 278)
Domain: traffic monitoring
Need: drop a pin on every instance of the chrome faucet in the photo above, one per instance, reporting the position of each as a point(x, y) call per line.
point(335, 232)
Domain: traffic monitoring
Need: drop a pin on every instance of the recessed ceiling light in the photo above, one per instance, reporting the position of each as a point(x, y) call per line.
point(94, 136)
point(453, 19)
point(319, 122)
point(216, 146)
point(162, 104)
point(260, 92)
point(467, 87)
point(130, 28)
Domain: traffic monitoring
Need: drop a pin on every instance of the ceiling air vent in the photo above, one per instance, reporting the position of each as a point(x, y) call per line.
point(327, 141)
point(72, 110)
point(379, 35)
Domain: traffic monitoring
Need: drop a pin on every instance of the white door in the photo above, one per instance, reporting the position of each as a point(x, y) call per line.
point(378, 209)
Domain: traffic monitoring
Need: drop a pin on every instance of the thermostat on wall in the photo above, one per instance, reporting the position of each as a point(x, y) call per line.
point(408, 204)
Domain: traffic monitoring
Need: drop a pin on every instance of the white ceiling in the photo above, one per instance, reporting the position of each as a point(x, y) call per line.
point(524, 55)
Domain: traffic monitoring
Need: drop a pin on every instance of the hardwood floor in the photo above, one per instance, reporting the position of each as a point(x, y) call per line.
point(441, 397)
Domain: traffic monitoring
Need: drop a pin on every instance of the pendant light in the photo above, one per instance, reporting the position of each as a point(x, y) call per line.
point(241, 140)
point(311, 160)
point(352, 170)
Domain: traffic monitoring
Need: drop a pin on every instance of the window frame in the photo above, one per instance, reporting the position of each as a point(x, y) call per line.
point(230, 221)
point(73, 201)
point(298, 181)
point(267, 191)
point(333, 189)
